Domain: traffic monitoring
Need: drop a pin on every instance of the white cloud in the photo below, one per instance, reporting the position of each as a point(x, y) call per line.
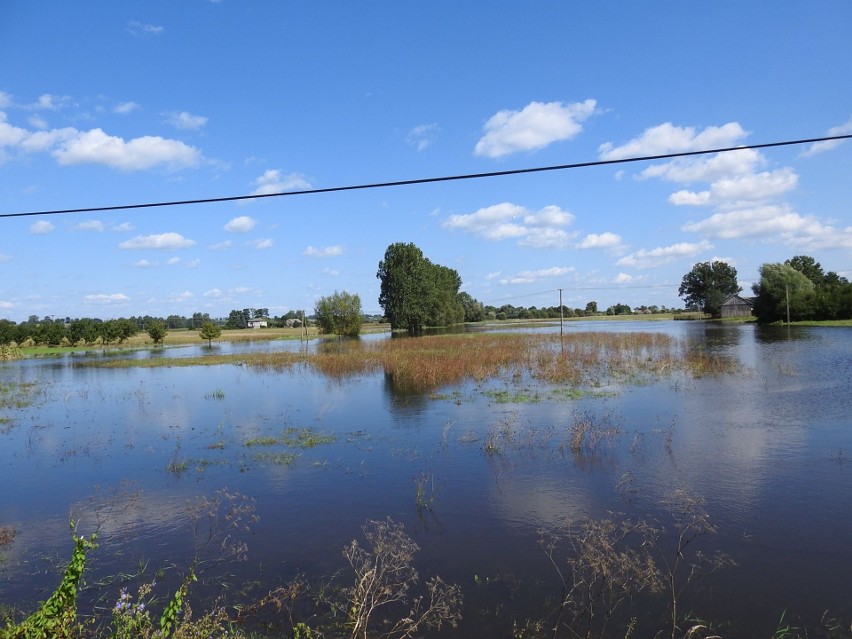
point(623, 278)
point(528, 277)
point(755, 187)
point(262, 244)
point(161, 241)
point(771, 220)
point(331, 271)
point(172, 261)
point(125, 107)
point(41, 227)
point(6, 305)
point(51, 102)
point(534, 127)
point(667, 138)
point(96, 147)
point(144, 264)
point(273, 181)
point(181, 297)
point(242, 224)
point(4, 257)
point(184, 120)
point(213, 293)
point(5, 100)
point(599, 240)
point(422, 136)
point(123, 227)
point(37, 121)
point(653, 258)
point(540, 229)
point(706, 168)
point(140, 28)
point(193, 263)
point(221, 246)
point(827, 145)
point(91, 225)
point(326, 251)
point(103, 298)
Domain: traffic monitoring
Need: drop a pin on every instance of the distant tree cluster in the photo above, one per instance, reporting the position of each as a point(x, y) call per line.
point(339, 314)
point(795, 290)
point(798, 290)
point(416, 293)
point(708, 285)
point(55, 332)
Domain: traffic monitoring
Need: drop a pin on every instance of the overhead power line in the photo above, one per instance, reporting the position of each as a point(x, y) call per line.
point(428, 180)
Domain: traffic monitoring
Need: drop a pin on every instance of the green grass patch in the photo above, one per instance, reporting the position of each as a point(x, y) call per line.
point(518, 397)
point(277, 459)
point(261, 441)
point(306, 438)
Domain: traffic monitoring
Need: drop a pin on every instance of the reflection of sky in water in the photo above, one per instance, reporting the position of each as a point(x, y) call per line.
point(770, 449)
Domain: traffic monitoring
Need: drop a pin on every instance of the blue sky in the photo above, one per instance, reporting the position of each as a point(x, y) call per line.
point(109, 103)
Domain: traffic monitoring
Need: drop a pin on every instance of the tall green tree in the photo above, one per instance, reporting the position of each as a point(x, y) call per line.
point(709, 284)
point(782, 292)
point(209, 331)
point(405, 289)
point(156, 330)
point(339, 314)
point(415, 292)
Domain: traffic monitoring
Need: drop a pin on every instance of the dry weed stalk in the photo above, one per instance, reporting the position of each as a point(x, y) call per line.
point(384, 575)
point(217, 522)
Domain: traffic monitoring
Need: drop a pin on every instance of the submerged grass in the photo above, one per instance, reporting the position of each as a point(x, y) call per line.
point(424, 364)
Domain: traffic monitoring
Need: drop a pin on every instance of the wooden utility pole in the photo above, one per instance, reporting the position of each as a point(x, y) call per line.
point(560, 313)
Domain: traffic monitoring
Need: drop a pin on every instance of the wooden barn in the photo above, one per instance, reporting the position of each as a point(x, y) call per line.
point(736, 306)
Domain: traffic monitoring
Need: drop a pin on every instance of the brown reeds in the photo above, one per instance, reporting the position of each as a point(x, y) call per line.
point(424, 364)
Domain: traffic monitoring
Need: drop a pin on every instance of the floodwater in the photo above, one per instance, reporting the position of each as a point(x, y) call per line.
point(130, 451)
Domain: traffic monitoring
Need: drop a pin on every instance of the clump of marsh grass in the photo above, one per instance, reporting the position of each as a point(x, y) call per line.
point(588, 433)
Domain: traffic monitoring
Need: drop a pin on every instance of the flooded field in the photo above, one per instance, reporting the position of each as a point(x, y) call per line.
point(516, 486)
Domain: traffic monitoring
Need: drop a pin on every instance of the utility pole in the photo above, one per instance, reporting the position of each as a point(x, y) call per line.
point(787, 289)
point(560, 313)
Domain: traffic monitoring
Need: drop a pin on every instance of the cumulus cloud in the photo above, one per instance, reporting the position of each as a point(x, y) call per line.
point(144, 264)
point(193, 263)
point(422, 136)
point(529, 277)
point(623, 278)
point(184, 120)
point(262, 244)
point(140, 28)
point(599, 240)
point(125, 107)
point(181, 297)
point(821, 147)
point(242, 224)
point(123, 227)
point(96, 147)
point(91, 225)
point(754, 187)
point(273, 181)
point(768, 220)
point(51, 102)
point(41, 227)
point(172, 261)
point(537, 229)
point(213, 293)
point(221, 246)
point(534, 127)
point(668, 138)
point(106, 298)
point(161, 241)
point(652, 258)
point(326, 251)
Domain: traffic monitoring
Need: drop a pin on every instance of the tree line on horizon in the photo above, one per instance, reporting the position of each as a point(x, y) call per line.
point(417, 293)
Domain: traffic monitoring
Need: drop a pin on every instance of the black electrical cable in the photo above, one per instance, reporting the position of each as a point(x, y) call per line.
point(430, 180)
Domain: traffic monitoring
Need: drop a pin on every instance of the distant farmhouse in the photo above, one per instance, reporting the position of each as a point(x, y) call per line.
point(259, 322)
point(736, 306)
